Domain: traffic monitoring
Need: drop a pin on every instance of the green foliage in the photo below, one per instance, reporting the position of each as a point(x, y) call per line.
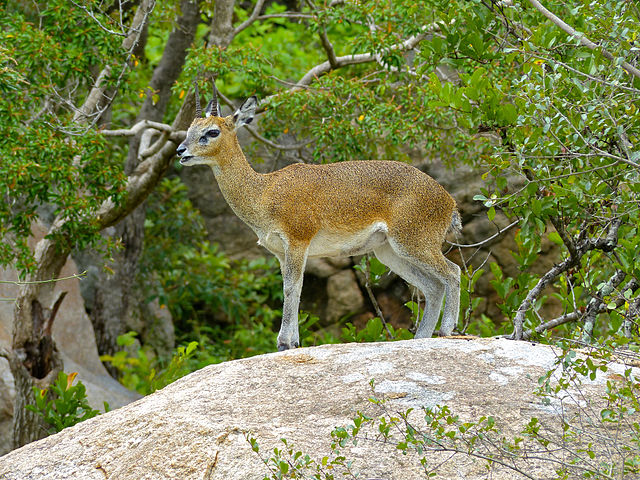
point(63, 404)
point(42, 164)
point(374, 331)
point(554, 125)
point(143, 372)
point(569, 127)
point(212, 298)
point(288, 462)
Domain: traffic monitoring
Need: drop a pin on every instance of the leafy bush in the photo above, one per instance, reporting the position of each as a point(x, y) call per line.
point(229, 306)
point(63, 404)
point(374, 331)
point(143, 372)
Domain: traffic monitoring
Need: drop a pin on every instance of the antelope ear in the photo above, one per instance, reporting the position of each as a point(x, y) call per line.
point(244, 115)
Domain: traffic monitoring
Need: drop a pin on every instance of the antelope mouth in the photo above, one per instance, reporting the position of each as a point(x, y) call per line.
point(185, 160)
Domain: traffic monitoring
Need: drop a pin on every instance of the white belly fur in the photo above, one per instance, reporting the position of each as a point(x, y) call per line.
point(333, 244)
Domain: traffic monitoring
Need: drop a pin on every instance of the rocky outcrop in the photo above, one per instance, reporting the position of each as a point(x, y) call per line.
point(73, 334)
point(196, 428)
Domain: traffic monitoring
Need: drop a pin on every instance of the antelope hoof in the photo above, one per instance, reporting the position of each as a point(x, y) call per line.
point(286, 346)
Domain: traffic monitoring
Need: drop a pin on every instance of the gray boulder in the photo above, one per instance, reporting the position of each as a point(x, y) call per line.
point(197, 427)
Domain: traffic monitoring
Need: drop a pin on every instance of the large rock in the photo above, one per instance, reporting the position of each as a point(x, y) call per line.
point(195, 428)
point(73, 334)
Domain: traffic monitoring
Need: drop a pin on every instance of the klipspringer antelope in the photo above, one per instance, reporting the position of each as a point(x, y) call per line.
point(350, 208)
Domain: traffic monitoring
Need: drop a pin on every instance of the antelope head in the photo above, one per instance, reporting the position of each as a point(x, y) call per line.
point(210, 135)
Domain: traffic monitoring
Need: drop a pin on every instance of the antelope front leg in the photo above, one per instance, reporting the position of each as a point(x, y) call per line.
point(295, 259)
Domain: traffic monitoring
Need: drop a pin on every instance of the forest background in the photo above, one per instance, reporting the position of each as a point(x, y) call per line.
point(541, 101)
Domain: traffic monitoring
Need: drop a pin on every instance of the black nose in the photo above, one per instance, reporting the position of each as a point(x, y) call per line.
point(181, 149)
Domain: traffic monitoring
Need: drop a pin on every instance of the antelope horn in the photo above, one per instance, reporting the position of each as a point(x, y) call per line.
point(197, 94)
point(213, 109)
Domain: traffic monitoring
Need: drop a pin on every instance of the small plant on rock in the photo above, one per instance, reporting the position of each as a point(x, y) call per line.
point(63, 404)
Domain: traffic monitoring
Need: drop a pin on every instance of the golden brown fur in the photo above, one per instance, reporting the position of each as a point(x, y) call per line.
point(390, 208)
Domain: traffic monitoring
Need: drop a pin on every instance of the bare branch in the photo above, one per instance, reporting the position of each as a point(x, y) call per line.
point(346, 60)
point(260, 138)
point(606, 244)
point(279, 146)
point(17, 282)
point(137, 128)
point(91, 15)
point(328, 47)
point(325, 67)
point(285, 15)
point(372, 297)
point(146, 175)
point(582, 38)
point(631, 317)
point(252, 18)
point(601, 307)
point(486, 240)
point(597, 303)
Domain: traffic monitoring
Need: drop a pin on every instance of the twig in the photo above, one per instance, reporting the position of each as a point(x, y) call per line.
point(631, 317)
point(252, 18)
point(279, 146)
point(486, 240)
point(260, 138)
point(285, 15)
point(35, 282)
point(582, 38)
point(91, 15)
point(372, 297)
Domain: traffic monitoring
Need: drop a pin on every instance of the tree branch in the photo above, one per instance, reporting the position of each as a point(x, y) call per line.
point(252, 18)
point(346, 60)
point(578, 314)
point(606, 244)
point(328, 47)
point(147, 174)
point(596, 304)
point(582, 38)
point(137, 128)
point(254, 133)
point(486, 240)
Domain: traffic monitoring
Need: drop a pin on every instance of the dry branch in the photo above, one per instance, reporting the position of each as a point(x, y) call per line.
point(582, 38)
point(584, 245)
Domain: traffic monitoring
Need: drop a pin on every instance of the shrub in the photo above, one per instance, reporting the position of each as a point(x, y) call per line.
point(63, 404)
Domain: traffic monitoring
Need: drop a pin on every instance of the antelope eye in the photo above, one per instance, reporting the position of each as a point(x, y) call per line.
point(210, 134)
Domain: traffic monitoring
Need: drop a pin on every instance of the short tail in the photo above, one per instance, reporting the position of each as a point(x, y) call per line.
point(456, 223)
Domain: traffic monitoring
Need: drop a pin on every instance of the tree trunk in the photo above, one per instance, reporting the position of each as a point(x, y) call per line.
point(34, 359)
point(115, 295)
